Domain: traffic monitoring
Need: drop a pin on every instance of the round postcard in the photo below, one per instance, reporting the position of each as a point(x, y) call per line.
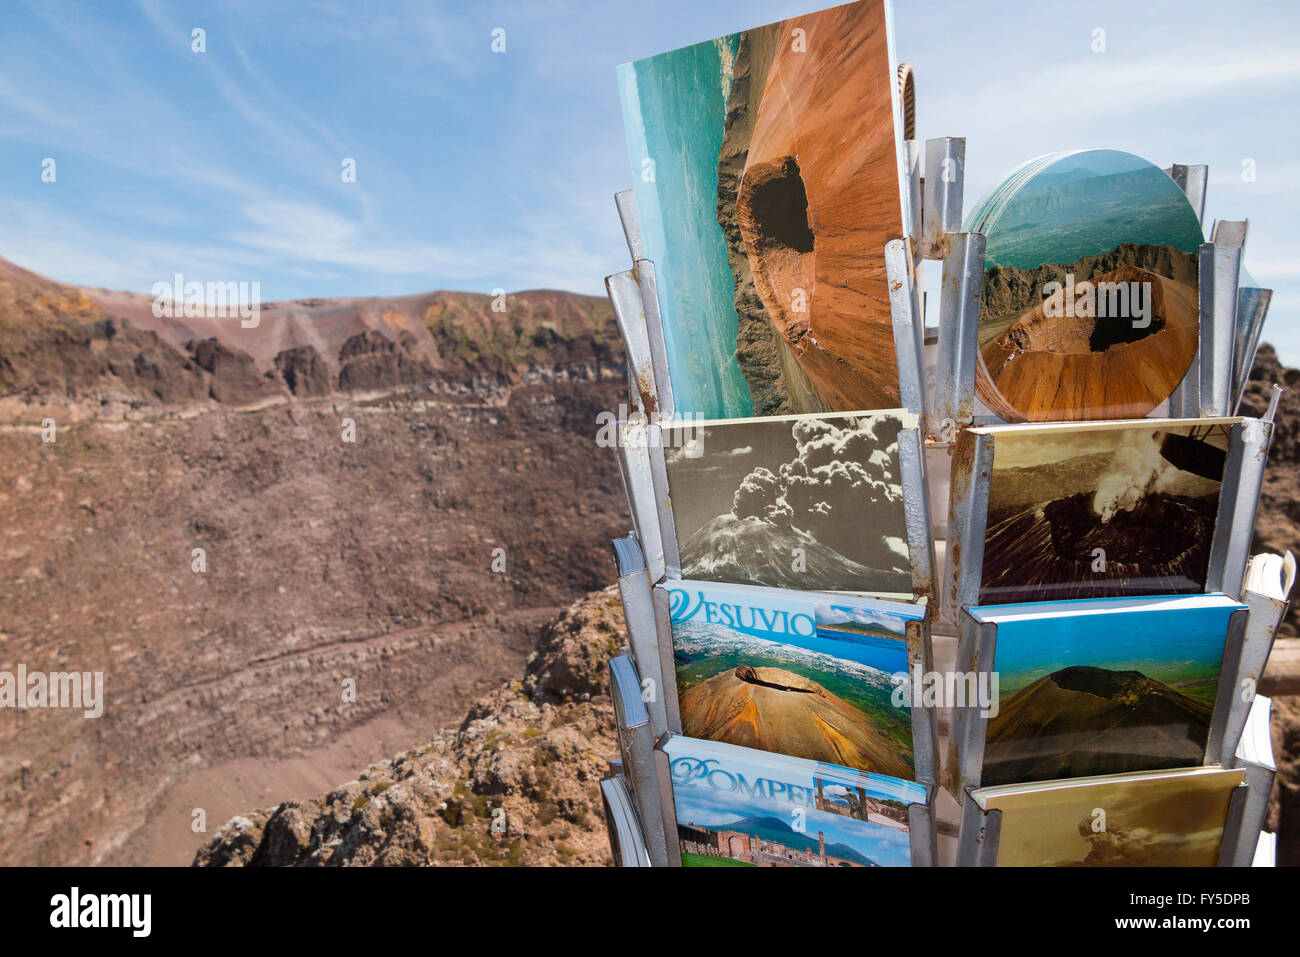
point(1090, 307)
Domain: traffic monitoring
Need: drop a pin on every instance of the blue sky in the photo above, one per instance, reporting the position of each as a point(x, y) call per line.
point(477, 169)
point(1170, 646)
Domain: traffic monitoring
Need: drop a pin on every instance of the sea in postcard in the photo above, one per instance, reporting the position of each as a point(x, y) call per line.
point(674, 106)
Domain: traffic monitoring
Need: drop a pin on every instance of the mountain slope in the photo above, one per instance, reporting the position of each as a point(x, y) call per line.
point(516, 783)
point(61, 342)
point(772, 709)
point(1084, 720)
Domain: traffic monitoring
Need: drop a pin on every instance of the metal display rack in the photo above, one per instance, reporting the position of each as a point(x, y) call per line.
point(937, 384)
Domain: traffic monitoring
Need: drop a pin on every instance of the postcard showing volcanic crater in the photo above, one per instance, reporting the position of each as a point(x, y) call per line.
point(1089, 308)
point(1100, 511)
point(812, 503)
point(798, 673)
point(1105, 686)
point(742, 808)
point(1162, 819)
point(766, 173)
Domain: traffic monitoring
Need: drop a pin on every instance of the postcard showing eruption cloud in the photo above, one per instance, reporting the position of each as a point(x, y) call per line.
point(1103, 686)
point(813, 503)
point(1102, 510)
point(798, 673)
point(1090, 307)
point(1162, 819)
point(742, 808)
point(767, 180)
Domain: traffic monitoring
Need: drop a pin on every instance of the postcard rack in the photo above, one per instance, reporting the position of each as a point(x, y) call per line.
point(937, 384)
point(649, 555)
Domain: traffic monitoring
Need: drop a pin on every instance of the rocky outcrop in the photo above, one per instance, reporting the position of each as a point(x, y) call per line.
point(516, 783)
point(303, 371)
point(56, 340)
point(61, 343)
point(1008, 289)
point(370, 361)
point(234, 378)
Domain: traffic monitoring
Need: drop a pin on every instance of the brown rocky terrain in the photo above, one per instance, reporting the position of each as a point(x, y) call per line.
point(347, 604)
point(517, 782)
point(1277, 528)
point(1010, 290)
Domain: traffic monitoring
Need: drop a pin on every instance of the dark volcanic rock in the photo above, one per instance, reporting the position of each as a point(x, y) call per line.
point(370, 361)
point(304, 371)
point(235, 378)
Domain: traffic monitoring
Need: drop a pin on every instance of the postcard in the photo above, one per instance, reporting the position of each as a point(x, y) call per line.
point(809, 675)
point(1090, 306)
point(1161, 819)
point(813, 503)
point(1104, 686)
point(767, 179)
point(1098, 511)
point(742, 808)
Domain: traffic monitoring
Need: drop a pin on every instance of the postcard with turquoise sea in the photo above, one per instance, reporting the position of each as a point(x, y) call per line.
point(765, 166)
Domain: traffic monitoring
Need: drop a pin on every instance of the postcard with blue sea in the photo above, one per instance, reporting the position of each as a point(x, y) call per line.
point(765, 166)
point(742, 808)
point(797, 673)
point(1103, 686)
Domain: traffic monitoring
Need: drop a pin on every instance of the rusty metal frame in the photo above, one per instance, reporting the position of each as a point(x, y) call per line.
point(909, 326)
point(626, 843)
point(942, 202)
point(663, 624)
point(643, 634)
point(1265, 615)
point(959, 314)
point(977, 843)
point(634, 454)
point(1235, 822)
point(625, 296)
point(1234, 525)
point(636, 740)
